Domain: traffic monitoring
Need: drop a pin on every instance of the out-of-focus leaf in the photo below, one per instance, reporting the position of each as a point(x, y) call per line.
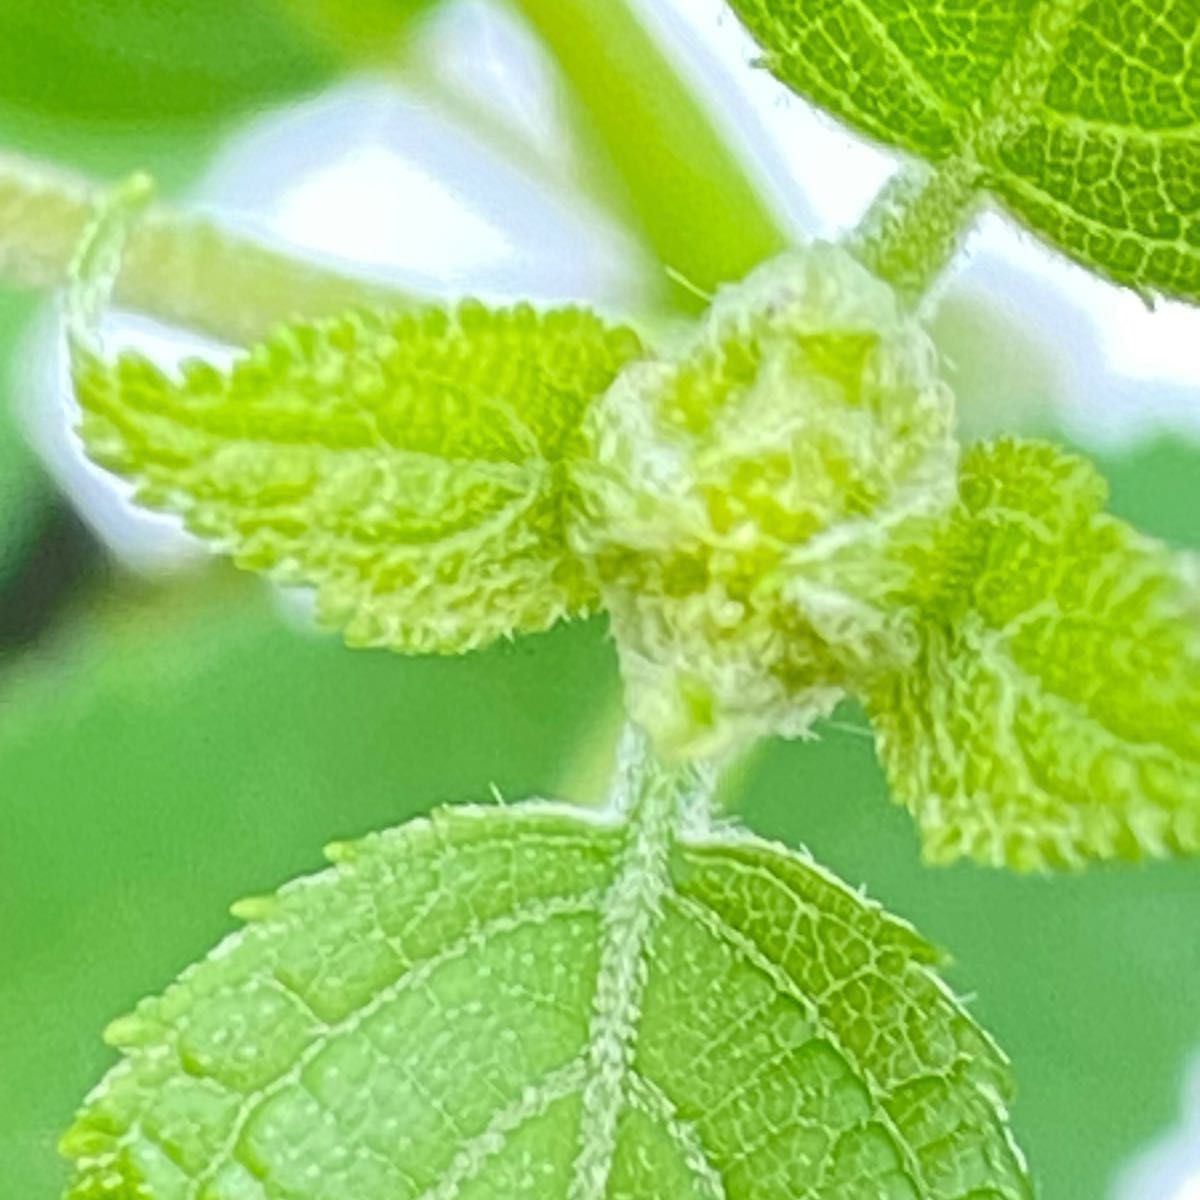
point(147, 59)
point(365, 31)
point(1156, 486)
point(24, 490)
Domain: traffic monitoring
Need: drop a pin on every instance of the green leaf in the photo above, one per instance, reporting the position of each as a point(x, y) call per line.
point(1154, 485)
point(409, 465)
point(367, 33)
point(1053, 712)
point(533, 1002)
point(220, 745)
point(1081, 116)
point(142, 60)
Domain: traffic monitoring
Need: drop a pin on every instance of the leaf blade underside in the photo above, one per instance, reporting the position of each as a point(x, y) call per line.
point(1052, 714)
point(411, 466)
point(422, 1022)
point(1081, 116)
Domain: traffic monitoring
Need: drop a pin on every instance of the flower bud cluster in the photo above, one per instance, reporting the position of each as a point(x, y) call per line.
point(744, 500)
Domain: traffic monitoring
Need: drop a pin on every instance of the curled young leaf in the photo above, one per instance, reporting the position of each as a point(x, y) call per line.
point(409, 465)
point(741, 497)
point(534, 1003)
point(1080, 116)
point(1053, 712)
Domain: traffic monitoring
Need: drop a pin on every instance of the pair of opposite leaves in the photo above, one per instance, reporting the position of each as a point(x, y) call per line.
point(531, 1002)
point(775, 514)
point(535, 1002)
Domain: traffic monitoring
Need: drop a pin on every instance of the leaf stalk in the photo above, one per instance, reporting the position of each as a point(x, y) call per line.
point(917, 223)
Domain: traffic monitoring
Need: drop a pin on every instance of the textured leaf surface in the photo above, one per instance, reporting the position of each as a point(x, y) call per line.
point(1053, 713)
point(533, 1003)
point(1082, 116)
point(410, 466)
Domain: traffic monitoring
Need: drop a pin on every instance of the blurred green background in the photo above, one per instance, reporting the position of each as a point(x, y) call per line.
point(172, 741)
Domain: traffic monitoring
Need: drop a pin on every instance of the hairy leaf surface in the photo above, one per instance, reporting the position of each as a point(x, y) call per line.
point(531, 1003)
point(1082, 116)
point(411, 466)
point(1053, 712)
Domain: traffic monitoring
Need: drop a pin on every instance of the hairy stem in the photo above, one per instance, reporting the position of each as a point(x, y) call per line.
point(180, 269)
point(916, 224)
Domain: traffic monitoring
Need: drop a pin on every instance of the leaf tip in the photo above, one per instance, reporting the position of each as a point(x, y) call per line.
point(128, 1031)
point(339, 853)
point(255, 908)
point(97, 261)
point(82, 1140)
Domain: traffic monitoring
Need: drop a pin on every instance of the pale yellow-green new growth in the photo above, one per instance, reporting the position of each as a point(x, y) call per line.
point(535, 1003)
point(1052, 714)
point(742, 500)
point(409, 465)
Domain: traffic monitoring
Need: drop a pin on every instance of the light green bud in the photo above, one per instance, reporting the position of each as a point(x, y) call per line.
point(745, 497)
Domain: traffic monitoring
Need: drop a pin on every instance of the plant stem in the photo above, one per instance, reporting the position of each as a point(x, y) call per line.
point(180, 269)
point(916, 224)
point(640, 772)
point(680, 186)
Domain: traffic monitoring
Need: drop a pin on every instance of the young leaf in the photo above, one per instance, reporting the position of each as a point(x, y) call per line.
point(1053, 713)
point(410, 465)
point(1080, 116)
point(534, 1003)
point(741, 495)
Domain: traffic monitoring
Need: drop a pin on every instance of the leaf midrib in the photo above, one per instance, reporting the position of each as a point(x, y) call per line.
point(631, 908)
point(1019, 88)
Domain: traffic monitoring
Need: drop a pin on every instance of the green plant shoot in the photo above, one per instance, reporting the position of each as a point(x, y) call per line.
point(774, 510)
